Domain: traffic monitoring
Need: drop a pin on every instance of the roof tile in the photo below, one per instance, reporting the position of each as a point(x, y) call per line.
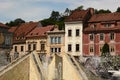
point(105, 17)
point(3, 25)
point(40, 31)
point(77, 15)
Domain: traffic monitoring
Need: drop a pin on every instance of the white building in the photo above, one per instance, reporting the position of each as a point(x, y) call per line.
point(74, 25)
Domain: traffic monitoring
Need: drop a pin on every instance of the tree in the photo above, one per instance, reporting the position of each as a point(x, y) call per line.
point(15, 22)
point(102, 11)
point(80, 7)
point(105, 50)
point(55, 15)
point(67, 12)
point(118, 9)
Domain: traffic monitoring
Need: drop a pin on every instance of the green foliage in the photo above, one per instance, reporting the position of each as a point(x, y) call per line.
point(80, 7)
point(55, 15)
point(118, 9)
point(15, 22)
point(55, 19)
point(102, 11)
point(67, 12)
point(105, 50)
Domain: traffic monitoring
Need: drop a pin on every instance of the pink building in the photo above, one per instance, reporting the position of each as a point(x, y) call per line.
point(102, 28)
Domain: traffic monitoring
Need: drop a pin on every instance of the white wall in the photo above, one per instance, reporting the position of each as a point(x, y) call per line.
point(73, 39)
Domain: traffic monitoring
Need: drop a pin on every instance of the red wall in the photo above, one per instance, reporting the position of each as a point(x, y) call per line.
point(86, 43)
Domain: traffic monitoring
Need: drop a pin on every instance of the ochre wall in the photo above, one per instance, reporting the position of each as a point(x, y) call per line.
point(18, 72)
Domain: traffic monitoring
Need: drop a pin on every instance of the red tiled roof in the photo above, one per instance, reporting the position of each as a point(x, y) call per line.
point(97, 29)
point(77, 15)
point(12, 29)
point(3, 25)
point(25, 28)
point(22, 30)
point(105, 17)
point(40, 31)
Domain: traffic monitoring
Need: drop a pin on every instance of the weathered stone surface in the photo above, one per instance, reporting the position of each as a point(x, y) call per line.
point(18, 72)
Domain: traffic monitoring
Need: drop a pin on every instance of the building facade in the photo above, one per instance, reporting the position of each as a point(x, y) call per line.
point(74, 25)
point(102, 28)
point(19, 38)
point(5, 37)
point(37, 40)
point(56, 41)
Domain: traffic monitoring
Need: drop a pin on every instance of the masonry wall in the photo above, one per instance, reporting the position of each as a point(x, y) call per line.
point(97, 43)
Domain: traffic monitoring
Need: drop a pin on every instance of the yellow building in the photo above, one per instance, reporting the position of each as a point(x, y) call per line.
point(19, 38)
point(56, 41)
point(37, 40)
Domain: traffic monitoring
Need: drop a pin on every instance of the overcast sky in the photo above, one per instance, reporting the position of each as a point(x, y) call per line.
point(35, 10)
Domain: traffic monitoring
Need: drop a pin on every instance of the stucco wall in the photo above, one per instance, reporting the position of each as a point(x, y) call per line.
point(17, 72)
point(73, 40)
point(34, 74)
point(51, 69)
point(69, 70)
point(24, 68)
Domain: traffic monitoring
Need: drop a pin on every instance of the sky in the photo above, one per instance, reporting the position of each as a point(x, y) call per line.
point(36, 10)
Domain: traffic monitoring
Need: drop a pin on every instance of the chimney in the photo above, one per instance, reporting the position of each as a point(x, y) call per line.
point(91, 10)
point(55, 27)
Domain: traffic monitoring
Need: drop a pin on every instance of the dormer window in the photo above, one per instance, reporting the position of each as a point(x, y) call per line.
point(107, 25)
point(17, 38)
point(31, 33)
point(93, 26)
point(36, 33)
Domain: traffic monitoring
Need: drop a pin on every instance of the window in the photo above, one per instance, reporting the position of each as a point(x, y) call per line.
point(77, 32)
point(52, 40)
point(22, 48)
point(59, 40)
point(59, 49)
point(15, 48)
point(51, 49)
point(55, 50)
point(29, 47)
point(55, 40)
point(91, 37)
point(42, 47)
point(69, 33)
point(93, 26)
point(100, 48)
point(112, 49)
point(111, 36)
point(101, 36)
point(77, 47)
point(69, 47)
point(91, 49)
point(34, 46)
